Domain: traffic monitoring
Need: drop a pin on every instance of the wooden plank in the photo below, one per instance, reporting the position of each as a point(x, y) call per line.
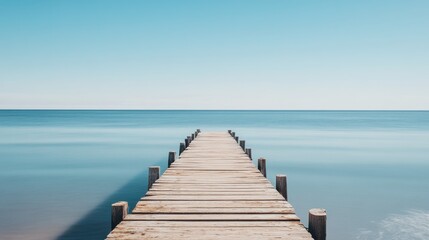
point(214, 198)
point(212, 210)
point(211, 224)
point(261, 191)
point(217, 204)
point(212, 217)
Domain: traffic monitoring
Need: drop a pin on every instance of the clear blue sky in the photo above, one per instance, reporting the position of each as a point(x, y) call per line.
point(216, 54)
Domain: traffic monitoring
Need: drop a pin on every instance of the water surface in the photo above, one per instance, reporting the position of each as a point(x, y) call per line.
point(61, 170)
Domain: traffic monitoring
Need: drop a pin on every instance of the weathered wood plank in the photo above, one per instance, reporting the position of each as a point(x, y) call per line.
point(201, 210)
point(217, 204)
point(212, 217)
point(214, 197)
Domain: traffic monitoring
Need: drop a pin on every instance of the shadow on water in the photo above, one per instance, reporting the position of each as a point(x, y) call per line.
point(96, 223)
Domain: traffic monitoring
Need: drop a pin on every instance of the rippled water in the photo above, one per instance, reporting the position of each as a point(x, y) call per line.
point(61, 170)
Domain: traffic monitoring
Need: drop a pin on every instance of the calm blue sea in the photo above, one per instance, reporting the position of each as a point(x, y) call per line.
point(61, 170)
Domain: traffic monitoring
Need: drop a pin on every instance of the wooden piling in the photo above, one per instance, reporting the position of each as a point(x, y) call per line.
point(182, 148)
point(193, 136)
point(262, 166)
point(171, 158)
point(243, 144)
point(233, 134)
point(119, 212)
point(186, 143)
point(236, 139)
point(198, 130)
point(317, 223)
point(229, 131)
point(153, 175)
point(281, 185)
point(249, 153)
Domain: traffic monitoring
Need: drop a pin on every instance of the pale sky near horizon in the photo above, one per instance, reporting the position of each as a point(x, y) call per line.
point(223, 54)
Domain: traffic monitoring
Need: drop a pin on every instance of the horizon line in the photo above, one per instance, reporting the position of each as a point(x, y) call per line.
point(184, 109)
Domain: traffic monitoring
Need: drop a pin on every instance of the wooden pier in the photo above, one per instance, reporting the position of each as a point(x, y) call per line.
point(213, 191)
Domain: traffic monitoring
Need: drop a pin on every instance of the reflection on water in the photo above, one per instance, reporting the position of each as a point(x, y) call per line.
point(61, 170)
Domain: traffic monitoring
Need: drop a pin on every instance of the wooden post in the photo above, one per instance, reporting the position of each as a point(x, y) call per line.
point(243, 144)
point(236, 139)
point(196, 134)
point(281, 185)
point(186, 142)
point(198, 130)
point(317, 223)
point(262, 166)
point(171, 158)
point(229, 131)
point(233, 134)
point(193, 136)
point(182, 148)
point(119, 212)
point(249, 153)
point(189, 141)
point(153, 175)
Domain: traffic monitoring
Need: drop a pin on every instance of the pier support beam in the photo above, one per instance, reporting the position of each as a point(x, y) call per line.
point(281, 185)
point(153, 175)
point(171, 158)
point(243, 144)
point(262, 166)
point(317, 223)
point(249, 153)
point(119, 212)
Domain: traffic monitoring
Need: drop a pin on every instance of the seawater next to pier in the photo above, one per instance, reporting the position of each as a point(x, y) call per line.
point(74, 164)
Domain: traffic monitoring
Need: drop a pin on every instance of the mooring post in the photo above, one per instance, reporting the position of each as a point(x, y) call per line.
point(317, 223)
point(249, 153)
point(262, 166)
point(193, 136)
point(196, 134)
point(281, 185)
point(229, 131)
point(119, 212)
point(189, 141)
point(171, 158)
point(236, 139)
point(154, 173)
point(186, 142)
point(243, 144)
point(233, 134)
point(182, 148)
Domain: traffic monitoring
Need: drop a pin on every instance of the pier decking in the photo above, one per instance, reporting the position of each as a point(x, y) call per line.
point(212, 191)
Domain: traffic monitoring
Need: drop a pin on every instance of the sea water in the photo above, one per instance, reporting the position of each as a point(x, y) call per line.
point(60, 170)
